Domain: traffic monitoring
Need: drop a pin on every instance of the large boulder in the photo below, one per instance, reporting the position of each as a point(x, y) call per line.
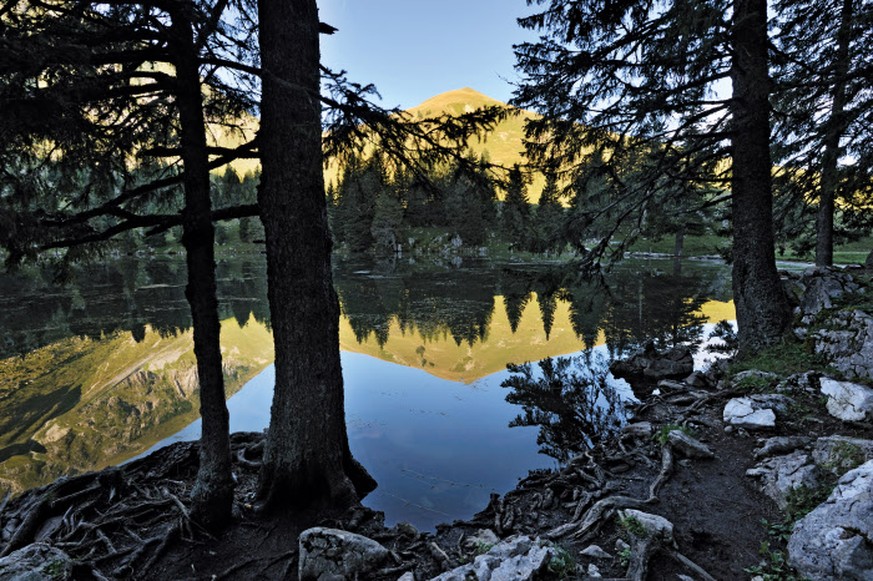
point(846, 400)
point(517, 558)
point(833, 541)
point(675, 363)
point(36, 562)
point(846, 342)
point(335, 555)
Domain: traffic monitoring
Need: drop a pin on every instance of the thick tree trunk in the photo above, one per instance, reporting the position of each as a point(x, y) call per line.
point(762, 309)
point(212, 495)
point(306, 458)
point(824, 228)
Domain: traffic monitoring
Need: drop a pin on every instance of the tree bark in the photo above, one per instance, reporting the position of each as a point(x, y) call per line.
point(824, 227)
point(212, 495)
point(762, 309)
point(307, 461)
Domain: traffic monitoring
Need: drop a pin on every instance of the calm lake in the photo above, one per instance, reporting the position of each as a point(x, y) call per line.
point(101, 370)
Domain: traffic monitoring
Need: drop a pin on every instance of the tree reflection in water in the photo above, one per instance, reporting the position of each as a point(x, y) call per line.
point(572, 400)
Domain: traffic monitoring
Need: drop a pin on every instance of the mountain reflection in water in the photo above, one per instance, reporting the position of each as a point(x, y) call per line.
point(102, 369)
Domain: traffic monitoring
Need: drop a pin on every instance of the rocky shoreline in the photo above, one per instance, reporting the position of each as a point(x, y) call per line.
point(729, 474)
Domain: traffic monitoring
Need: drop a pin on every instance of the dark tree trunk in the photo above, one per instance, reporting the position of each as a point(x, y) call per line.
point(307, 461)
point(679, 243)
point(212, 495)
point(762, 309)
point(824, 228)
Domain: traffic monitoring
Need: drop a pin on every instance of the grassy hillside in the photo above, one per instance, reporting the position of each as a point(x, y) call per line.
point(503, 145)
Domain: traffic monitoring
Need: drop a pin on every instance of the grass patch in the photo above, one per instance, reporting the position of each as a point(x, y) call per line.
point(633, 526)
point(755, 383)
point(562, 565)
point(849, 253)
point(784, 359)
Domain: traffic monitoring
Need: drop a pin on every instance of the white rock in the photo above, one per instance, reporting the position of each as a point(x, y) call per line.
point(742, 412)
point(517, 558)
point(847, 401)
point(593, 571)
point(332, 554)
point(595, 552)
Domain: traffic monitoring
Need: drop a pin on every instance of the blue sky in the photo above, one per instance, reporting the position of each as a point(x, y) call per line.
point(415, 49)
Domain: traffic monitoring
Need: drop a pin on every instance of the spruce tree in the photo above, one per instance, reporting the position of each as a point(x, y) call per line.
point(549, 217)
point(823, 119)
point(515, 214)
point(634, 78)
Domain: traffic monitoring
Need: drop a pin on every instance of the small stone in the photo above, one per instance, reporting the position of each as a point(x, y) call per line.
point(593, 571)
point(408, 576)
point(620, 545)
point(595, 552)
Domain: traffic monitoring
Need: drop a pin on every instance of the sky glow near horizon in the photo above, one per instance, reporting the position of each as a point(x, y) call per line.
point(412, 50)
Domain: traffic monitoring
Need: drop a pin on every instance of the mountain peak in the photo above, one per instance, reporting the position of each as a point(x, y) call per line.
point(455, 102)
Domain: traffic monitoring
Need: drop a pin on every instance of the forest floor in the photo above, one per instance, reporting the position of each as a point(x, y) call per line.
point(131, 521)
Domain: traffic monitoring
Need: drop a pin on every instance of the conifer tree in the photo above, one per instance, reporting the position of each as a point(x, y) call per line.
point(549, 217)
point(824, 111)
point(634, 78)
point(515, 215)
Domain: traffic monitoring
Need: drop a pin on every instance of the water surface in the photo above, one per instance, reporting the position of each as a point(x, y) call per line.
point(102, 369)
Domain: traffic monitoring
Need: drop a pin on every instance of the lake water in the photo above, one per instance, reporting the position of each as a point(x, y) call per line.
point(101, 370)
